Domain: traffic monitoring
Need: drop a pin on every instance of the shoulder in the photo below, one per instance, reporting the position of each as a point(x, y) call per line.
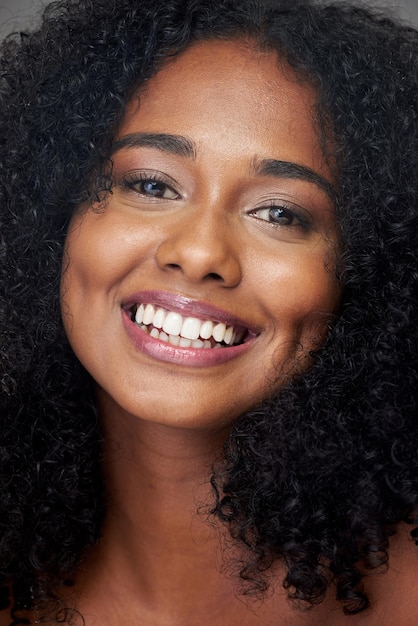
point(7, 620)
point(395, 591)
point(403, 571)
point(5, 617)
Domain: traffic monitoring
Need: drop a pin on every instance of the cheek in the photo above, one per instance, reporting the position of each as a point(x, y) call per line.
point(86, 269)
point(98, 253)
point(317, 311)
point(303, 298)
point(305, 281)
point(302, 321)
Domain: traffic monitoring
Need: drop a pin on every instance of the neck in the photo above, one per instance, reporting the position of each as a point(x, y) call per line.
point(157, 542)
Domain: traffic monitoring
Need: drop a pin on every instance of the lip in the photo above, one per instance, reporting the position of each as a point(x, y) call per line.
point(192, 357)
point(186, 306)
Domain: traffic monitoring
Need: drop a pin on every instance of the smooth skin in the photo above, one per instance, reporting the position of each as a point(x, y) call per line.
point(215, 219)
point(210, 238)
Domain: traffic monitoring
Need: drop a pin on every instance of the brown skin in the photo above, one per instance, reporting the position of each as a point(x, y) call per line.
point(159, 563)
point(212, 243)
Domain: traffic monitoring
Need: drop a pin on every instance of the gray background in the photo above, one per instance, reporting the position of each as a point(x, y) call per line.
point(18, 14)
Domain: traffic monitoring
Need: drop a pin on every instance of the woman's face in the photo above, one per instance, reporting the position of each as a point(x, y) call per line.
point(206, 277)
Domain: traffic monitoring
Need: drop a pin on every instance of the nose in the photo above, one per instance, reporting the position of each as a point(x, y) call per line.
point(201, 248)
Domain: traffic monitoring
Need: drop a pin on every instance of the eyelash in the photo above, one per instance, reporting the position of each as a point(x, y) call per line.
point(295, 218)
point(134, 179)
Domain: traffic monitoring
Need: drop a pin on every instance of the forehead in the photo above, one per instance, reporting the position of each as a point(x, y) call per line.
point(230, 93)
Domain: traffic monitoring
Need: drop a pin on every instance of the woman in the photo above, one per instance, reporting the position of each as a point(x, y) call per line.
point(208, 340)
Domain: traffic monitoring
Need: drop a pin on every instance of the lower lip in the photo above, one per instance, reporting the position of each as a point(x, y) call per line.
point(194, 357)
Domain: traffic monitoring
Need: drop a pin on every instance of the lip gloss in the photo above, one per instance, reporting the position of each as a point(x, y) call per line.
point(185, 306)
point(193, 357)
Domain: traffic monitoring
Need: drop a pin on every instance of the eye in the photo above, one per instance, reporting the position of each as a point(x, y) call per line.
point(276, 215)
point(156, 189)
point(151, 185)
point(281, 215)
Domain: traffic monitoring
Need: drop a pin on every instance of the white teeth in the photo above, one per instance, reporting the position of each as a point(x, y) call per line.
point(159, 317)
point(174, 340)
point(185, 332)
point(148, 315)
point(206, 329)
point(139, 315)
point(229, 335)
point(190, 328)
point(173, 323)
point(219, 332)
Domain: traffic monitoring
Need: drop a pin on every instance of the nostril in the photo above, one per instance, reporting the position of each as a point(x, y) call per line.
point(214, 276)
point(208, 276)
point(208, 260)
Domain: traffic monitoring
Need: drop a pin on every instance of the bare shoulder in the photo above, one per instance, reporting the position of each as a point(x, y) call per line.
point(397, 589)
point(5, 618)
point(393, 592)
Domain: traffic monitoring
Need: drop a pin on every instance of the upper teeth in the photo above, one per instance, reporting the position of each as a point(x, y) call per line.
point(174, 324)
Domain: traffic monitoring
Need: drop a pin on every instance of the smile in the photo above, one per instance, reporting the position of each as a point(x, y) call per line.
point(186, 332)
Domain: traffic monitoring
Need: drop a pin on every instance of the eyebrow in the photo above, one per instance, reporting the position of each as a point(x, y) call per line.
point(184, 147)
point(287, 169)
point(175, 144)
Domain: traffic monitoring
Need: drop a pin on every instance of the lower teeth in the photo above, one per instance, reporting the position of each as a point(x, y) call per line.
point(176, 340)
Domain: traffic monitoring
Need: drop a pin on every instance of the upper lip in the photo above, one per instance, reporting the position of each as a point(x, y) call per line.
point(187, 307)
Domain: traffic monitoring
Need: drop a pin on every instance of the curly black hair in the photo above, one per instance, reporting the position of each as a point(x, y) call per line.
point(321, 474)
